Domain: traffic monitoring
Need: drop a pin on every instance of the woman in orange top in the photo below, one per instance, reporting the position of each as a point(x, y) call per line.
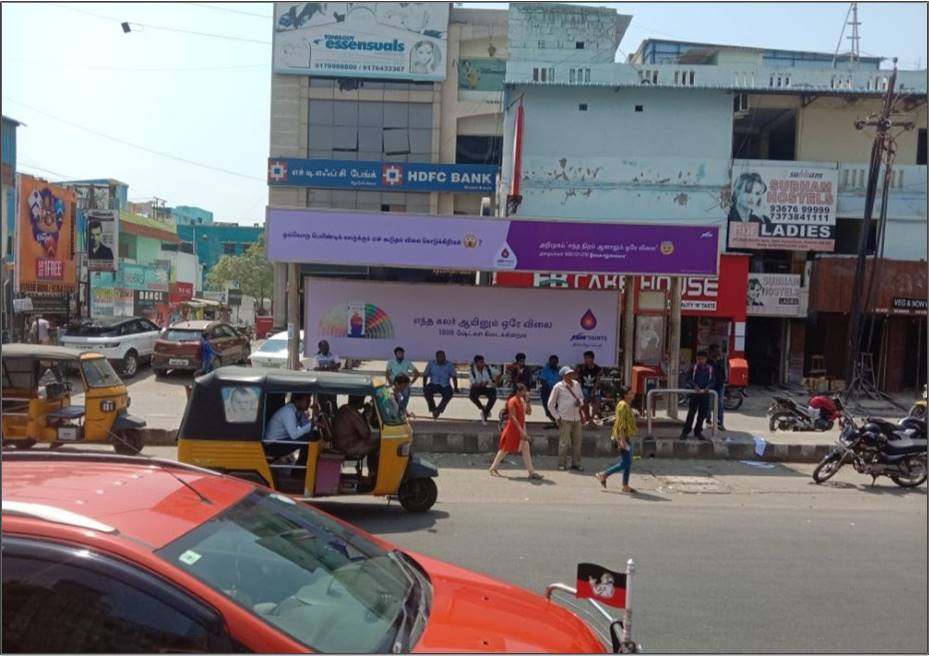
point(514, 438)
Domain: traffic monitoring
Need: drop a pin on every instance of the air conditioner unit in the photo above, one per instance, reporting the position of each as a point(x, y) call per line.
point(740, 105)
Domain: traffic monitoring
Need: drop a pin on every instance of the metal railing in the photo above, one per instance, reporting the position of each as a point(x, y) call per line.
point(649, 406)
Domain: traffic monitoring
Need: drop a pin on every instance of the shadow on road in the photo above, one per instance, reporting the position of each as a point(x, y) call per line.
point(638, 496)
point(884, 487)
point(382, 518)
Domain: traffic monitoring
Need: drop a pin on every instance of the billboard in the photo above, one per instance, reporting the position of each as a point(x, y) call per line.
point(487, 244)
point(151, 304)
point(783, 206)
point(405, 40)
point(773, 295)
point(45, 259)
point(102, 239)
point(382, 176)
point(366, 320)
point(481, 74)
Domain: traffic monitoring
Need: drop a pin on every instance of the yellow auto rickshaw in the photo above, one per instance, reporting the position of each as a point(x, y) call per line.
point(37, 400)
point(227, 416)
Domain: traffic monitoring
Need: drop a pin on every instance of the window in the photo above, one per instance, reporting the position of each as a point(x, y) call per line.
point(582, 107)
point(471, 149)
point(148, 326)
point(58, 599)
point(639, 108)
point(535, 74)
point(229, 248)
point(571, 76)
point(99, 373)
point(544, 74)
point(579, 45)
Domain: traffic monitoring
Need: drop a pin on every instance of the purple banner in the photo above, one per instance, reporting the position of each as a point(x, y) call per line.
point(488, 244)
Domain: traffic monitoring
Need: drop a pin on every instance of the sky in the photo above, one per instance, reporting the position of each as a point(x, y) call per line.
point(181, 115)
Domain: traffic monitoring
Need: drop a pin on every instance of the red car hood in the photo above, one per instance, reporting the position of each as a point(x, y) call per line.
point(474, 613)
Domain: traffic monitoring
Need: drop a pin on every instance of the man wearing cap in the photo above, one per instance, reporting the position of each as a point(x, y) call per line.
point(565, 405)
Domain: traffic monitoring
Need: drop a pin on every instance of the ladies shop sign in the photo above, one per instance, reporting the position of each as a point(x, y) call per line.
point(475, 244)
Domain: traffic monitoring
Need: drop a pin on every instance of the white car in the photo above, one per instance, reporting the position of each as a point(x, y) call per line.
point(125, 341)
point(273, 353)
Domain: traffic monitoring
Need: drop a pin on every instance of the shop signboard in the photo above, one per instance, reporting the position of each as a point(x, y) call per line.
point(22, 305)
point(45, 258)
point(481, 74)
point(48, 303)
point(903, 305)
point(180, 292)
point(123, 302)
point(233, 297)
point(102, 241)
point(366, 320)
point(488, 244)
point(783, 205)
point(382, 176)
point(406, 40)
point(773, 295)
point(151, 304)
point(132, 276)
point(101, 301)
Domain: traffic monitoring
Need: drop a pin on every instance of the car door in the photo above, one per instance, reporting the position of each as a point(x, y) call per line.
point(220, 343)
point(133, 336)
point(147, 337)
point(236, 343)
point(59, 598)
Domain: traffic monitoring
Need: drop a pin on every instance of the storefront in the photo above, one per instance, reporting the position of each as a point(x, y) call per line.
point(894, 324)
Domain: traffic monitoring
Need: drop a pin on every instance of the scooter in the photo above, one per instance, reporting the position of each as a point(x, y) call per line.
point(786, 415)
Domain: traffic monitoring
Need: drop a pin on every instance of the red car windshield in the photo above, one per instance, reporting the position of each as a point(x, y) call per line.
point(306, 574)
point(177, 335)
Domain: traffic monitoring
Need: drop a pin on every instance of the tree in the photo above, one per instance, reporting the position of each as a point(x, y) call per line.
point(251, 272)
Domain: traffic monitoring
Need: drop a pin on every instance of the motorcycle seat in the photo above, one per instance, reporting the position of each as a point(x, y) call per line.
point(904, 446)
point(882, 423)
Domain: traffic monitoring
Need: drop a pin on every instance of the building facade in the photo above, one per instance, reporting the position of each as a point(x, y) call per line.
point(210, 242)
point(187, 215)
point(8, 208)
point(676, 135)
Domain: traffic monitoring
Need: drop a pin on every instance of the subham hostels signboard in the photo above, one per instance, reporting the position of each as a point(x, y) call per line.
point(773, 295)
point(367, 320)
point(381, 176)
point(406, 40)
point(487, 244)
point(783, 206)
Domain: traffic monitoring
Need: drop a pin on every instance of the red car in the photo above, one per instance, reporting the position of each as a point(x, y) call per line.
point(178, 347)
point(107, 553)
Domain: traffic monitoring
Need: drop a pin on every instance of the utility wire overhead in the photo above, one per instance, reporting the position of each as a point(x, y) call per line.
point(207, 5)
point(133, 145)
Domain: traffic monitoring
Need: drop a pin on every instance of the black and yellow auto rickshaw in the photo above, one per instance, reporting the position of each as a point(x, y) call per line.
point(38, 407)
point(227, 416)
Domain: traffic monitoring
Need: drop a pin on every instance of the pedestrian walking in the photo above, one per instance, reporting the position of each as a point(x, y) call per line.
point(549, 376)
point(720, 376)
point(700, 379)
point(38, 332)
point(440, 377)
point(484, 380)
point(565, 404)
point(624, 429)
point(589, 372)
point(207, 355)
point(400, 365)
point(514, 438)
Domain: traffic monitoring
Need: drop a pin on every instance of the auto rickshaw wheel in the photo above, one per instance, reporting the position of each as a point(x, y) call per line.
point(20, 444)
point(418, 494)
point(128, 442)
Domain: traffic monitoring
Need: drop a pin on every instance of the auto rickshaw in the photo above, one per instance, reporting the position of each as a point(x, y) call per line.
point(227, 415)
point(37, 404)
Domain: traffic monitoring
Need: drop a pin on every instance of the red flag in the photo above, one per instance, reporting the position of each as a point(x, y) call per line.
point(602, 585)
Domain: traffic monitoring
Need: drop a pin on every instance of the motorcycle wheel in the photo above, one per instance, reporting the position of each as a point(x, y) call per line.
point(828, 467)
point(913, 472)
point(780, 421)
point(732, 401)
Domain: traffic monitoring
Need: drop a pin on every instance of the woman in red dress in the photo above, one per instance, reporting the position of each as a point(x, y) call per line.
point(514, 438)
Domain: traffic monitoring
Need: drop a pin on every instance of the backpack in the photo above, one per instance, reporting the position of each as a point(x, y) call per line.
point(502, 417)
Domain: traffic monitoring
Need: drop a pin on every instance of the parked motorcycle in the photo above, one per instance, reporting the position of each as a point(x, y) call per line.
point(786, 415)
point(919, 408)
point(869, 451)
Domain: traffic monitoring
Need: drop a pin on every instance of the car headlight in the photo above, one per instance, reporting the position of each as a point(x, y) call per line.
point(111, 345)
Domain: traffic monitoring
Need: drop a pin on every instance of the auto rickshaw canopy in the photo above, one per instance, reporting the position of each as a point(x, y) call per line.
point(42, 352)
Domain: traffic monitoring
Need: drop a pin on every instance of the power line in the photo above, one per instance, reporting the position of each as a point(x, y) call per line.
point(133, 145)
point(230, 11)
point(59, 174)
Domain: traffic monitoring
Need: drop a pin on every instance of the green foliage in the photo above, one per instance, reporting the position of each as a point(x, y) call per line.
point(251, 271)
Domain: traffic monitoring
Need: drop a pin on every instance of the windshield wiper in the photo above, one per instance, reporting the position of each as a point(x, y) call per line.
point(403, 631)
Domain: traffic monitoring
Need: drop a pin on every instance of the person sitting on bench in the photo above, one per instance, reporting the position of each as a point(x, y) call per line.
point(351, 434)
point(289, 424)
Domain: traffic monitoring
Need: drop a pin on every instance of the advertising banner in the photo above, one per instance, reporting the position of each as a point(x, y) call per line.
point(382, 176)
point(101, 302)
point(123, 302)
point(158, 275)
point(366, 320)
point(783, 206)
point(481, 74)
point(92, 196)
point(152, 305)
point(132, 276)
point(361, 39)
point(488, 244)
point(773, 295)
point(45, 258)
point(180, 292)
point(102, 239)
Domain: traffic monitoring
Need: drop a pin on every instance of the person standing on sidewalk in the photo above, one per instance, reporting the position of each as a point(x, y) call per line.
point(440, 377)
point(484, 381)
point(700, 379)
point(400, 365)
point(549, 376)
point(624, 430)
point(718, 361)
point(589, 372)
point(514, 437)
point(565, 403)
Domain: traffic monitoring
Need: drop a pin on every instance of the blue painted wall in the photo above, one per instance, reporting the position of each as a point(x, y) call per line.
point(211, 240)
point(187, 215)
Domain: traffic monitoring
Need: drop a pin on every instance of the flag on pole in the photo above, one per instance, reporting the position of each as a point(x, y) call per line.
point(600, 584)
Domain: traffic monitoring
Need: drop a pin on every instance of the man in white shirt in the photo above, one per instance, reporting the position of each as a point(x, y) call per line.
point(565, 405)
point(39, 330)
point(289, 424)
point(484, 381)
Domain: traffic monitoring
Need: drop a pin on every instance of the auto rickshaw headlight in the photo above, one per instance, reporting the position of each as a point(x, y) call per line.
point(404, 449)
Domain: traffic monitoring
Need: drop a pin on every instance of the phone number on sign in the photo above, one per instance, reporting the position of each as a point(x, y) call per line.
point(805, 213)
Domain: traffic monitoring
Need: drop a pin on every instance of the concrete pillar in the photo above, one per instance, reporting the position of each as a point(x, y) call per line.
point(628, 328)
point(279, 296)
point(674, 352)
point(293, 315)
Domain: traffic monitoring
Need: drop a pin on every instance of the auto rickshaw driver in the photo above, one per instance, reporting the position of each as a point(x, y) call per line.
point(351, 433)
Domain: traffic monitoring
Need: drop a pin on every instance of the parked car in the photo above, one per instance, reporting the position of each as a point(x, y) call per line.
point(178, 347)
point(104, 553)
point(125, 341)
point(273, 353)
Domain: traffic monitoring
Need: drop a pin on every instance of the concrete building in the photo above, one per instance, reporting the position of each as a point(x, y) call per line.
point(8, 208)
point(187, 215)
point(211, 241)
point(456, 121)
point(667, 137)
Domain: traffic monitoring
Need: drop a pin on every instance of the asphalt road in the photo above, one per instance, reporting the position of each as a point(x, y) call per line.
point(730, 557)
